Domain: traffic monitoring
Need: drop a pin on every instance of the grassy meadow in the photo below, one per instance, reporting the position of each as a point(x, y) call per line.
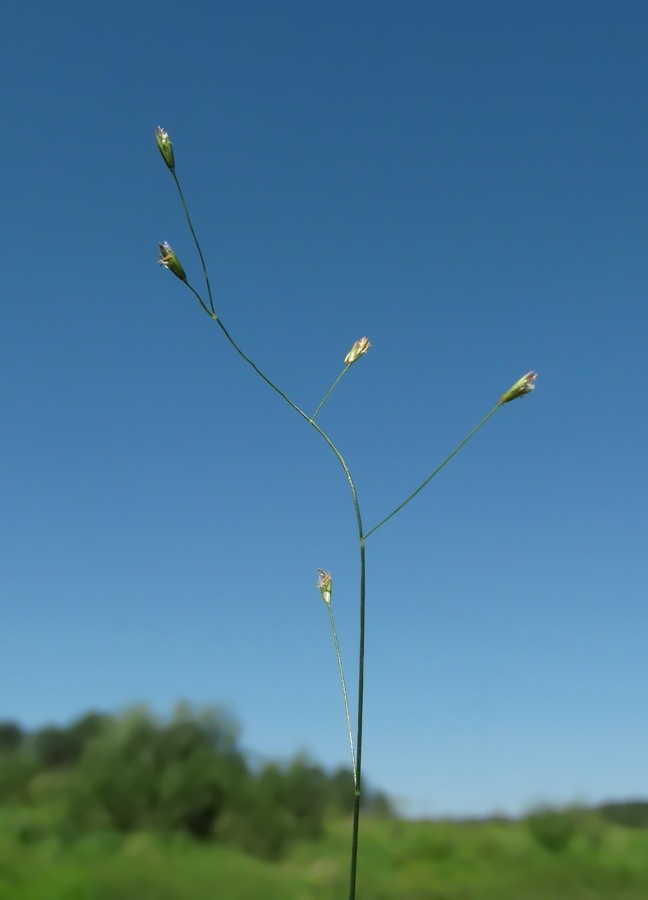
point(134, 807)
point(591, 858)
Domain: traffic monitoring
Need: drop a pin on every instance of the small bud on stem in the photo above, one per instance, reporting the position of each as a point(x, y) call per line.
point(359, 349)
point(170, 261)
point(165, 147)
point(521, 387)
point(324, 586)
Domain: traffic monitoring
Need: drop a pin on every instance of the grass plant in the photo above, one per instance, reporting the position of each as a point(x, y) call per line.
point(523, 386)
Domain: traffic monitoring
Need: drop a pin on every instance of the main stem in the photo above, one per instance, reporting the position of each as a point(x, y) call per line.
point(361, 648)
point(358, 772)
point(311, 421)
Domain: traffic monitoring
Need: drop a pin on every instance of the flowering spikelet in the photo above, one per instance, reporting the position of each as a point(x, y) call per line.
point(165, 147)
point(359, 349)
point(521, 387)
point(170, 261)
point(325, 586)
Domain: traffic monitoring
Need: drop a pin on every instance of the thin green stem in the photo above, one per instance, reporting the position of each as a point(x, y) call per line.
point(260, 373)
point(358, 780)
point(361, 539)
point(294, 406)
point(200, 300)
point(310, 421)
point(344, 690)
point(330, 391)
point(361, 648)
point(436, 471)
point(195, 240)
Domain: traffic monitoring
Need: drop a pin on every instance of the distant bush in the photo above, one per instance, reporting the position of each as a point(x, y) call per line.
point(188, 775)
point(632, 814)
point(551, 829)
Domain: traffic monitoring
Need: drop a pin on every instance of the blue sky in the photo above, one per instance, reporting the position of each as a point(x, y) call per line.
point(465, 183)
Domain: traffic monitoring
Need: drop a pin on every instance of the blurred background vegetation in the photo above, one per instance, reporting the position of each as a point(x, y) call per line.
point(133, 806)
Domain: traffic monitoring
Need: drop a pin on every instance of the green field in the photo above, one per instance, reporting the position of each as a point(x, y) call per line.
point(134, 807)
point(591, 859)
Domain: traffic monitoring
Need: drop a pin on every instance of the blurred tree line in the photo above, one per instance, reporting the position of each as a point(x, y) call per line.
point(187, 774)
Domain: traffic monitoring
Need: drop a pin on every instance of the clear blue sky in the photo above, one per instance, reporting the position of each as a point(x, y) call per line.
point(467, 184)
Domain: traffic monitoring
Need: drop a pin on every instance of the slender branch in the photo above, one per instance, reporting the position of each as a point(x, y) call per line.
point(436, 471)
point(212, 315)
point(195, 239)
point(344, 691)
point(260, 373)
point(330, 391)
point(310, 421)
point(201, 301)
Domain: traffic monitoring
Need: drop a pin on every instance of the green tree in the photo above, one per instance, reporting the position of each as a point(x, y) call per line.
point(11, 737)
